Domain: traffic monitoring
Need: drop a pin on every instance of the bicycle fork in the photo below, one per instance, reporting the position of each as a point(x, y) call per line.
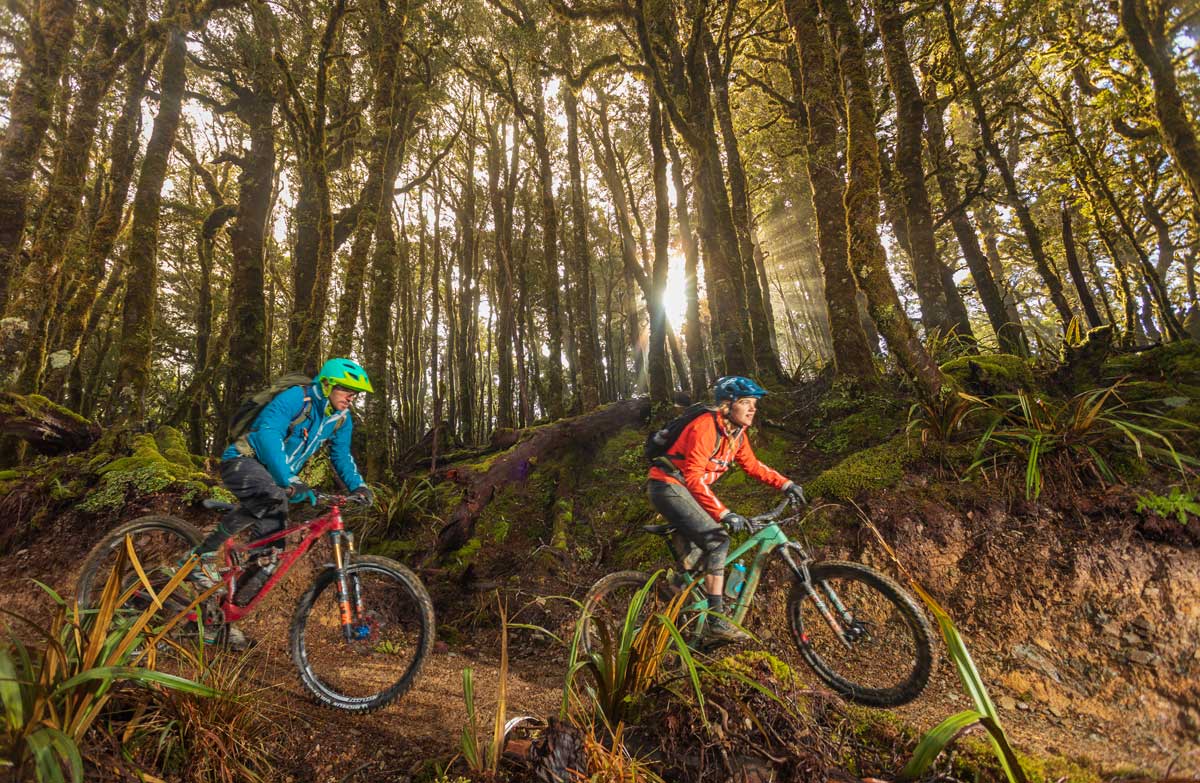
point(351, 607)
point(845, 629)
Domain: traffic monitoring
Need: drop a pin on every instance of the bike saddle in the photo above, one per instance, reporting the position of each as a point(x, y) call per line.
point(659, 530)
point(217, 505)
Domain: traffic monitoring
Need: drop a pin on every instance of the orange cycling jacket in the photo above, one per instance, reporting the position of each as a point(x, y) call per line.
point(703, 452)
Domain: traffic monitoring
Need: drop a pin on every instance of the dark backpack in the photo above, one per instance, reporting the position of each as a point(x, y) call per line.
point(250, 407)
point(660, 442)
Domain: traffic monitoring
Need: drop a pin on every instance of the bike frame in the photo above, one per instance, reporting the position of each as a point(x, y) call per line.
point(768, 540)
point(349, 601)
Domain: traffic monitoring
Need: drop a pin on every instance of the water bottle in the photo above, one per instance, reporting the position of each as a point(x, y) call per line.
point(735, 581)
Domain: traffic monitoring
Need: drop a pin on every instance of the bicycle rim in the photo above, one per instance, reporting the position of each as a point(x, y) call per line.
point(160, 543)
point(888, 659)
point(606, 607)
point(391, 636)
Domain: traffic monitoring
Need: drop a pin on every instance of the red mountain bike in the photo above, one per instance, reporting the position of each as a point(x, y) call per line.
point(359, 635)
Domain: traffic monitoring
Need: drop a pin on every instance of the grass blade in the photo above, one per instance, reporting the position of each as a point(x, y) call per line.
point(936, 740)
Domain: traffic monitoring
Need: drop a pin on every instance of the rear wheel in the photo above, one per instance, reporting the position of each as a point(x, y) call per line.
point(606, 608)
point(160, 544)
point(887, 657)
point(391, 637)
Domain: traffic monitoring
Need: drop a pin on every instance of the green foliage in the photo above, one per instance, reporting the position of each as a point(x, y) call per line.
point(991, 373)
point(469, 745)
point(53, 694)
point(875, 468)
point(625, 662)
point(933, 743)
point(1078, 437)
point(157, 462)
point(1179, 504)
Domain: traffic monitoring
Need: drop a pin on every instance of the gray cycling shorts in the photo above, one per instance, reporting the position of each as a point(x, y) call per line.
point(698, 538)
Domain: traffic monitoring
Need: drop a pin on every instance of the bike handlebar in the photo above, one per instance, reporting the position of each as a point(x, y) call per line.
point(339, 500)
point(762, 520)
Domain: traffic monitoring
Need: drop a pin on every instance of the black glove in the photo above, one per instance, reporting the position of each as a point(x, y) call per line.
point(364, 495)
point(299, 492)
point(795, 493)
point(735, 522)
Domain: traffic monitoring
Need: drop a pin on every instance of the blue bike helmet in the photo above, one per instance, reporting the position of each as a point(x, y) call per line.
point(735, 387)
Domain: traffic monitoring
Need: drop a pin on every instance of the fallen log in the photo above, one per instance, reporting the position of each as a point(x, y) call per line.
point(533, 446)
point(47, 427)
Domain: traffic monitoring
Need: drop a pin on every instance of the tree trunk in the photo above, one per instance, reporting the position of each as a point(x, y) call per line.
point(1009, 333)
point(588, 381)
point(48, 428)
point(465, 348)
point(141, 290)
point(1146, 31)
point(1033, 235)
point(910, 121)
point(1081, 285)
point(554, 328)
point(29, 108)
point(851, 353)
point(692, 329)
point(536, 447)
point(866, 255)
point(684, 82)
point(660, 377)
point(758, 297)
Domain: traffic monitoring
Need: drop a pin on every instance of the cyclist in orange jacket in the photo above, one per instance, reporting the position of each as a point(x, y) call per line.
point(701, 454)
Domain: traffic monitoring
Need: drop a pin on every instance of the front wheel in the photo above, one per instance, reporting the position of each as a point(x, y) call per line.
point(882, 656)
point(391, 631)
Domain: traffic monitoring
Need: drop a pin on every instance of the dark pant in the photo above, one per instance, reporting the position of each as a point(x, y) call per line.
point(264, 504)
point(704, 540)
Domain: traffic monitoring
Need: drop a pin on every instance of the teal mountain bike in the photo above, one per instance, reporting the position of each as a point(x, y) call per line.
point(860, 632)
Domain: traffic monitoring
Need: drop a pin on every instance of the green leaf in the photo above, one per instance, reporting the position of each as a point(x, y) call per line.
point(108, 674)
point(936, 740)
point(10, 692)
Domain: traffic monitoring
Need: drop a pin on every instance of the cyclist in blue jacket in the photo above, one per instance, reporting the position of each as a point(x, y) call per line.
point(261, 468)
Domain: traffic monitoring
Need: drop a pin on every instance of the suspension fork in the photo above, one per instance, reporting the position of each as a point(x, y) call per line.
point(802, 573)
point(349, 590)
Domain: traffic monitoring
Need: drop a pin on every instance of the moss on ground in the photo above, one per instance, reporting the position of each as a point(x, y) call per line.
point(1175, 362)
point(991, 373)
point(878, 467)
point(158, 461)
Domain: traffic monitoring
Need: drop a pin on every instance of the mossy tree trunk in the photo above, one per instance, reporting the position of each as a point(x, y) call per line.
point(389, 127)
point(659, 371)
point(48, 428)
point(464, 344)
point(77, 311)
point(29, 108)
point(1145, 26)
point(1076, 271)
point(247, 371)
point(309, 134)
point(588, 381)
point(682, 83)
point(866, 255)
point(1033, 234)
point(39, 289)
point(502, 196)
point(141, 289)
point(554, 329)
point(910, 121)
point(692, 330)
point(375, 347)
point(758, 296)
point(1010, 335)
point(851, 352)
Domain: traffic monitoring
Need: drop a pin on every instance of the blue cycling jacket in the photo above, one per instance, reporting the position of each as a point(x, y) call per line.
point(284, 454)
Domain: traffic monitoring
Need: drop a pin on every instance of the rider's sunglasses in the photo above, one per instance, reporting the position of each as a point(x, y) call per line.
point(351, 392)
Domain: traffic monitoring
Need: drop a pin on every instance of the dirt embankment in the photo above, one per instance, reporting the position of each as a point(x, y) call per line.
point(1089, 631)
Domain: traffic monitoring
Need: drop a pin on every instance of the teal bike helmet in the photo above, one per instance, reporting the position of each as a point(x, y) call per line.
point(735, 387)
point(345, 373)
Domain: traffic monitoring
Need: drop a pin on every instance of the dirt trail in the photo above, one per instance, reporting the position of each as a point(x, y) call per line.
point(1127, 723)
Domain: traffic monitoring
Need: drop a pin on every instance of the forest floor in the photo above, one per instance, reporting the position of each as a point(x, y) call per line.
point(1067, 675)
